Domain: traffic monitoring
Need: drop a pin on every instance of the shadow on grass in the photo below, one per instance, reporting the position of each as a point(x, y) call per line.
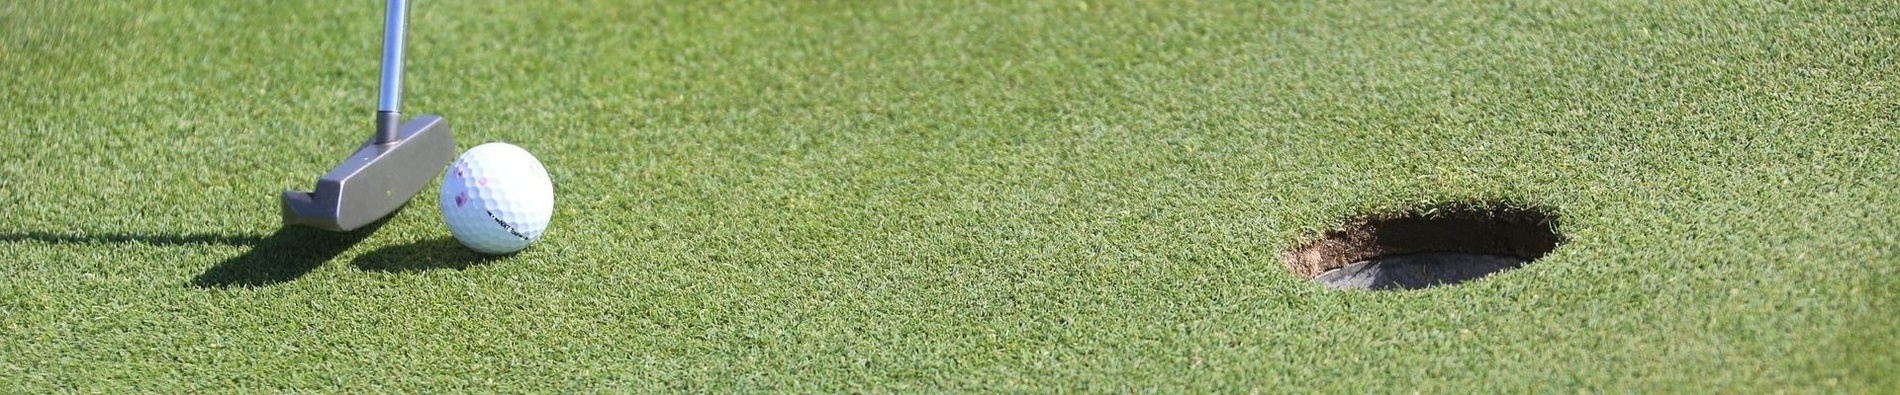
point(286, 255)
point(437, 254)
point(122, 238)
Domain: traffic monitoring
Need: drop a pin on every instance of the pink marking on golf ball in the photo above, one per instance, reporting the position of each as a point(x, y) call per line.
point(482, 181)
point(461, 199)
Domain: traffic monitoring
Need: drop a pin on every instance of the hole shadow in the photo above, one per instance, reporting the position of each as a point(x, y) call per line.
point(436, 254)
point(1428, 246)
point(286, 255)
point(1494, 229)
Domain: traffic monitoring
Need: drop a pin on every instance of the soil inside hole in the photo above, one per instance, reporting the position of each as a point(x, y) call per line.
point(1427, 246)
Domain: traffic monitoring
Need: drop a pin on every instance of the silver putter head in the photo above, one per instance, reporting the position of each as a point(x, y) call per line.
point(376, 180)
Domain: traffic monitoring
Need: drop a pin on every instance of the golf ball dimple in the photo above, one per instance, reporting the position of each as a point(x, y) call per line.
point(496, 198)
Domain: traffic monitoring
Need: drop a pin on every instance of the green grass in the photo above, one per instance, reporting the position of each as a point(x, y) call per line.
point(920, 196)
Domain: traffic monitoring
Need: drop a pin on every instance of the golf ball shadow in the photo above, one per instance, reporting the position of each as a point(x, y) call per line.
point(435, 254)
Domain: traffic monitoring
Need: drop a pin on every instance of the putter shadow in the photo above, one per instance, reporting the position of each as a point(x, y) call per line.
point(128, 238)
point(436, 254)
point(283, 256)
point(286, 255)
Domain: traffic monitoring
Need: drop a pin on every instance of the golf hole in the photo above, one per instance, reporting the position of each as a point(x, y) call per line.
point(1426, 246)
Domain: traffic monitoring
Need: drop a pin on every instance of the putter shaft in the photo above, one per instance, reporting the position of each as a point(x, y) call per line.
point(389, 97)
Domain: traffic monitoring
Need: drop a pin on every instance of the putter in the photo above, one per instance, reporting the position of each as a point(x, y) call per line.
point(395, 164)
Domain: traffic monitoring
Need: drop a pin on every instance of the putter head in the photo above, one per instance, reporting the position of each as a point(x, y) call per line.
point(376, 180)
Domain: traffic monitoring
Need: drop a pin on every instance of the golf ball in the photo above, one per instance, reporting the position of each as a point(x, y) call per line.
point(496, 198)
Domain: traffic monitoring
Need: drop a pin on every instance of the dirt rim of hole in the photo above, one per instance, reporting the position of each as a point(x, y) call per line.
point(1427, 245)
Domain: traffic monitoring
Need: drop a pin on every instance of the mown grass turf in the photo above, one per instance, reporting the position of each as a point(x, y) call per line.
point(998, 196)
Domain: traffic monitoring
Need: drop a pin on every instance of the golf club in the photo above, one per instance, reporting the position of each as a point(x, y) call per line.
point(383, 173)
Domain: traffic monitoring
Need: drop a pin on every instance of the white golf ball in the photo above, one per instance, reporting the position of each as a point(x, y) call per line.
point(496, 198)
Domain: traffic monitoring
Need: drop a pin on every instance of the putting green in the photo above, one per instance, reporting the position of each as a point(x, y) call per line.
point(916, 196)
